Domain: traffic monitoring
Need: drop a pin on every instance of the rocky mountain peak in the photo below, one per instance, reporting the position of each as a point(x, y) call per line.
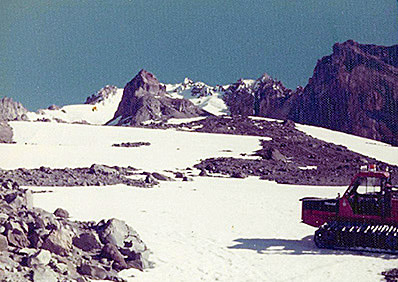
point(264, 96)
point(144, 99)
point(354, 90)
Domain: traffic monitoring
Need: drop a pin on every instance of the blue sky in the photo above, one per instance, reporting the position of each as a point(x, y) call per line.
point(62, 51)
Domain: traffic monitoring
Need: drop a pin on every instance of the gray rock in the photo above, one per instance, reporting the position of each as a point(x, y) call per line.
point(6, 133)
point(115, 231)
point(61, 267)
point(92, 271)
point(151, 180)
point(111, 252)
point(102, 169)
point(61, 213)
point(161, 177)
point(86, 242)
point(3, 243)
point(44, 274)
point(59, 242)
point(53, 107)
point(42, 257)
point(17, 238)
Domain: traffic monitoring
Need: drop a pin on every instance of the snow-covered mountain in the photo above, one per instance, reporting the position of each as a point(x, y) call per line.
point(98, 109)
point(209, 98)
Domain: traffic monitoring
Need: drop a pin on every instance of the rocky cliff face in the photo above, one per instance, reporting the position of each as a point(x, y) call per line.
point(354, 90)
point(9, 110)
point(145, 99)
point(264, 97)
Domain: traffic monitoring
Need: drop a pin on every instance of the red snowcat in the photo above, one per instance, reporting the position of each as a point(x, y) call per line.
point(364, 218)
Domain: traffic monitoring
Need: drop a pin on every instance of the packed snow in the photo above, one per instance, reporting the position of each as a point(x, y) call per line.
point(99, 113)
point(379, 150)
point(208, 229)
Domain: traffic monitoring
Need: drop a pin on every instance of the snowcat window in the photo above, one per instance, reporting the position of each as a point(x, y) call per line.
point(369, 185)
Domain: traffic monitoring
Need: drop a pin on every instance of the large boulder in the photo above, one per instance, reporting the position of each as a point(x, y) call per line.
point(58, 242)
point(116, 232)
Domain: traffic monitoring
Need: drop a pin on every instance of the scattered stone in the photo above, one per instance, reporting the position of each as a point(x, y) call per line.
point(53, 107)
point(274, 154)
point(161, 177)
point(61, 213)
point(281, 158)
point(96, 175)
point(132, 144)
point(149, 179)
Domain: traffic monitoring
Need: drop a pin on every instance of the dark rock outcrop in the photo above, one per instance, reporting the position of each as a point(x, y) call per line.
point(145, 99)
point(291, 156)
point(11, 110)
point(354, 90)
point(96, 175)
point(265, 97)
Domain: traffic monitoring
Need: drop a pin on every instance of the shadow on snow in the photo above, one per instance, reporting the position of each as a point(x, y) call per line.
point(305, 246)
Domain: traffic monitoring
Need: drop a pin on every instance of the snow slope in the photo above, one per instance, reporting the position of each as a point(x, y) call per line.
point(74, 145)
point(208, 229)
point(99, 113)
point(379, 150)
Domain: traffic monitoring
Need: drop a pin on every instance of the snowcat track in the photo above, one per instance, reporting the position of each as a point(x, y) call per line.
point(357, 236)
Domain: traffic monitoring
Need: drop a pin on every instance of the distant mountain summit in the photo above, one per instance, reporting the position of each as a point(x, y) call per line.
point(266, 97)
point(146, 99)
point(354, 90)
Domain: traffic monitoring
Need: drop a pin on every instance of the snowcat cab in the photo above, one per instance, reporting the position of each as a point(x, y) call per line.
point(364, 217)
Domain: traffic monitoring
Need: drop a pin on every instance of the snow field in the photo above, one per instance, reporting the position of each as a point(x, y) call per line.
point(71, 145)
point(206, 230)
point(221, 229)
